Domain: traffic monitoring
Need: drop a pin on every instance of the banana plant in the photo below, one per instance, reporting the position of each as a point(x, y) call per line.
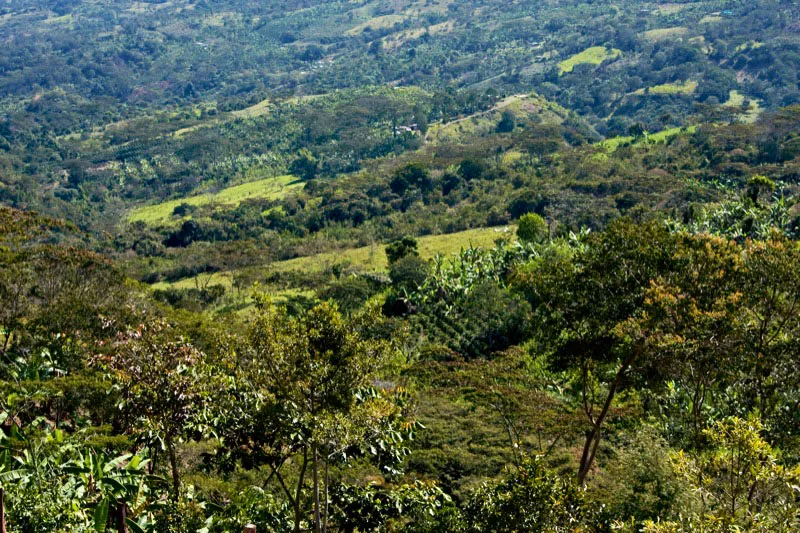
point(106, 482)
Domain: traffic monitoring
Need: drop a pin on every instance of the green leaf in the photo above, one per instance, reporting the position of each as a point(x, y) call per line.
point(13, 475)
point(114, 484)
point(101, 516)
point(133, 526)
point(114, 463)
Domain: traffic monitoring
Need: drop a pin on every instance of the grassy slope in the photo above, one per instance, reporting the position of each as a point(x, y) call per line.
point(686, 87)
point(613, 143)
point(270, 188)
point(368, 258)
point(737, 99)
point(591, 56)
point(485, 123)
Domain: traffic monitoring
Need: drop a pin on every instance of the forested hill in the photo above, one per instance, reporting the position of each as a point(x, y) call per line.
point(85, 84)
point(436, 266)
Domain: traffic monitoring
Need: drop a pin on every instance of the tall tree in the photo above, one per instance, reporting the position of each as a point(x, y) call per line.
point(300, 398)
point(154, 370)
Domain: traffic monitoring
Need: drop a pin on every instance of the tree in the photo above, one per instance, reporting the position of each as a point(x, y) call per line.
point(582, 304)
point(508, 121)
point(739, 481)
point(471, 169)
point(52, 296)
point(411, 176)
point(305, 165)
point(401, 248)
point(528, 499)
point(300, 399)
point(758, 185)
point(768, 328)
point(532, 228)
point(154, 370)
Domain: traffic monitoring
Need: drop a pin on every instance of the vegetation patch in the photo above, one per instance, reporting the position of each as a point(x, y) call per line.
point(611, 144)
point(591, 56)
point(711, 19)
point(366, 258)
point(377, 23)
point(753, 110)
point(678, 87)
point(665, 33)
point(268, 188)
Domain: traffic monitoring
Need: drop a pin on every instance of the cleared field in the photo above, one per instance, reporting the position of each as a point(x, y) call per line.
point(373, 257)
point(368, 258)
point(678, 87)
point(385, 21)
point(610, 145)
point(261, 108)
point(396, 40)
point(591, 56)
point(670, 9)
point(711, 19)
point(737, 99)
point(268, 188)
point(661, 34)
point(522, 105)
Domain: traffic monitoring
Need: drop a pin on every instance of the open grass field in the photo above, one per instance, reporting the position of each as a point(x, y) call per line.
point(661, 34)
point(368, 258)
point(611, 144)
point(269, 188)
point(591, 56)
point(711, 19)
point(261, 108)
point(670, 9)
point(522, 105)
point(377, 23)
point(737, 99)
point(373, 258)
point(678, 87)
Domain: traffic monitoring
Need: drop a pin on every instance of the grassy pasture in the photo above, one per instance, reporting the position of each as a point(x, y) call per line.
point(611, 144)
point(385, 21)
point(591, 56)
point(737, 99)
point(685, 87)
point(269, 188)
point(661, 34)
point(367, 258)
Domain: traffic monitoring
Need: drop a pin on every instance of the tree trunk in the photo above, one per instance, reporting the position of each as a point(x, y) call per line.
point(122, 515)
point(327, 499)
point(297, 511)
point(2, 511)
point(593, 435)
point(315, 466)
point(173, 463)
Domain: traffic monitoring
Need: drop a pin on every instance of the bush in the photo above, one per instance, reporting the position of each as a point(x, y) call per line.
point(401, 248)
point(532, 228)
point(528, 499)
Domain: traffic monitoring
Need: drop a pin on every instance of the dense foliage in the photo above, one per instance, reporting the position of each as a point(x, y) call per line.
point(427, 266)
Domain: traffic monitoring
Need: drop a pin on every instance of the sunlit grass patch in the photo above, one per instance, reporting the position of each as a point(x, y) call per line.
point(611, 144)
point(678, 87)
point(591, 56)
point(737, 99)
point(661, 34)
point(268, 188)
